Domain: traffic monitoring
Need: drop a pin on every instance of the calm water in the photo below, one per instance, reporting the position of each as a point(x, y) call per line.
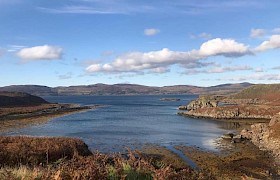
point(130, 121)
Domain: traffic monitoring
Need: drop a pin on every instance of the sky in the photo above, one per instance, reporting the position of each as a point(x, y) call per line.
point(148, 42)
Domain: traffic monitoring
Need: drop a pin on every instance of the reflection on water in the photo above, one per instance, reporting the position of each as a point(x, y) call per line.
point(130, 121)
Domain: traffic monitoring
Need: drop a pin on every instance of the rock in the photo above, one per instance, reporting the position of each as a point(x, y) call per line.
point(265, 136)
point(183, 108)
point(228, 136)
point(203, 102)
point(169, 99)
point(274, 120)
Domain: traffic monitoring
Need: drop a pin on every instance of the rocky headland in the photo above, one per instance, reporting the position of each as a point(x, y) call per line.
point(257, 103)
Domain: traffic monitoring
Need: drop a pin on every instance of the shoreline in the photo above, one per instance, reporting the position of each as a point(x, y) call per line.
point(235, 161)
point(239, 120)
point(19, 120)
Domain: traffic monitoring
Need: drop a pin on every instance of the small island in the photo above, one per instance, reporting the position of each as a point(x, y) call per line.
point(169, 99)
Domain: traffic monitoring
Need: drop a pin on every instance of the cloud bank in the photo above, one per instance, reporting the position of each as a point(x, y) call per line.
point(45, 52)
point(158, 61)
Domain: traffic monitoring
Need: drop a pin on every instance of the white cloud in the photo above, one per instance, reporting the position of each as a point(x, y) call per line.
point(272, 43)
point(45, 52)
point(255, 33)
point(225, 47)
point(151, 31)
point(139, 61)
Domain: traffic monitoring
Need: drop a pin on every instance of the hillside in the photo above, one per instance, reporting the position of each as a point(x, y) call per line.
point(268, 92)
point(8, 99)
point(30, 89)
point(125, 89)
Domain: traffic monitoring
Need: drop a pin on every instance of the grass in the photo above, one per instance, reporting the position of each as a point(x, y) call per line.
point(68, 158)
point(261, 91)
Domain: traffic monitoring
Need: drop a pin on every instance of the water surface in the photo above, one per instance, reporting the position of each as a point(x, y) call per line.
point(129, 121)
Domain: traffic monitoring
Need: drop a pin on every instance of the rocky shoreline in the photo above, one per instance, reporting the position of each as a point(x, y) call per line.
point(258, 103)
point(265, 136)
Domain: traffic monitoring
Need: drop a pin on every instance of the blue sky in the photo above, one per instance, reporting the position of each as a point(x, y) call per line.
point(156, 43)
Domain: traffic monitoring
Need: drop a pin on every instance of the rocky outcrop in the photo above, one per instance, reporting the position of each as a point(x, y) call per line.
point(203, 102)
point(265, 136)
point(234, 112)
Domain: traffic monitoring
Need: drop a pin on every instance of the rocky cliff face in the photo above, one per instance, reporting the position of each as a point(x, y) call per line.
point(265, 136)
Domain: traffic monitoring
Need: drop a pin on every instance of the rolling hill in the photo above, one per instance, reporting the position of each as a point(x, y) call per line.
point(125, 89)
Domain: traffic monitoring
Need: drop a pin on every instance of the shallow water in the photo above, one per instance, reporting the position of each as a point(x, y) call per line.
point(130, 121)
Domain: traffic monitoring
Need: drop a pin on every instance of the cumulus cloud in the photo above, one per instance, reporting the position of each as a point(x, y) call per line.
point(136, 61)
point(224, 47)
point(272, 43)
point(45, 52)
point(139, 61)
point(151, 32)
point(255, 33)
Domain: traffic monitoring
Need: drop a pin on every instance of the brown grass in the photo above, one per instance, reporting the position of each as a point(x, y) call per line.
point(68, 158)
point(40, 150)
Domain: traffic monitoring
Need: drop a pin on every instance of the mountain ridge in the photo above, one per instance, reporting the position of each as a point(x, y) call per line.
point(125, 89)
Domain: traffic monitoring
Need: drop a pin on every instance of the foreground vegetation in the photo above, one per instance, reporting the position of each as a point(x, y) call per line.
point(68, 158)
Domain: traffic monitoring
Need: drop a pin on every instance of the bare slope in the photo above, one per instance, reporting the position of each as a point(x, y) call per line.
point(11, 99)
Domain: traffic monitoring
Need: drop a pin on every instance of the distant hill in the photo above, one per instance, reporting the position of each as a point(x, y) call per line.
point(12, 99)
point(125, 89)
point(30, 89)
point(269, 92)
